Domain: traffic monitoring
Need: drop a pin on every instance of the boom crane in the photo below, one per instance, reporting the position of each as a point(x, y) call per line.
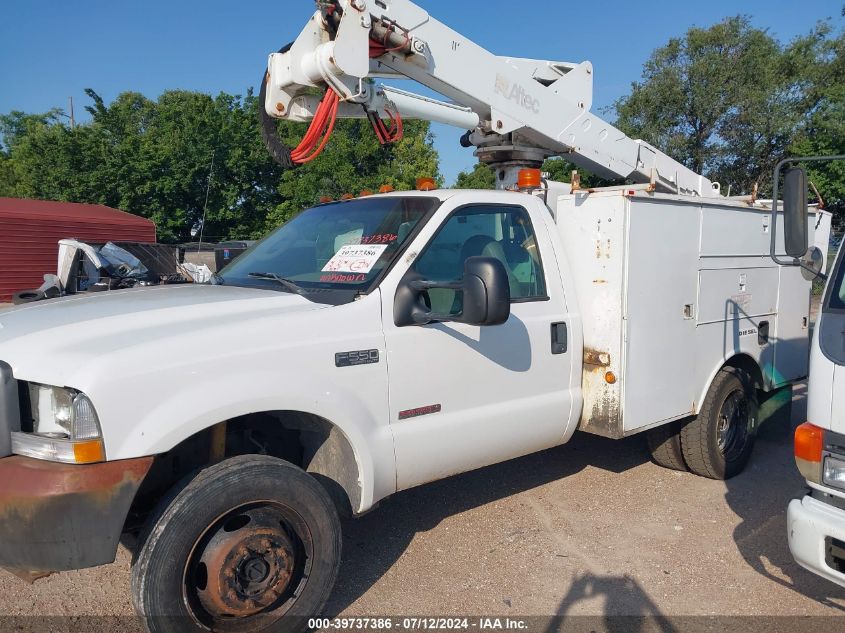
point(518, 111)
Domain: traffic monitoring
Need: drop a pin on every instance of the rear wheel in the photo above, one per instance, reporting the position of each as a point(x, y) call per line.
point(718, 442)
point(664, 444)
point(252, 543)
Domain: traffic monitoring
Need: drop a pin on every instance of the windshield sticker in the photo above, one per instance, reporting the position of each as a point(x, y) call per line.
point(355, 258)
point(382, 238)
point(342, 279)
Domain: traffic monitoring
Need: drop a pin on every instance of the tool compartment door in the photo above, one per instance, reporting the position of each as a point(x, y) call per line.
point(659, 306)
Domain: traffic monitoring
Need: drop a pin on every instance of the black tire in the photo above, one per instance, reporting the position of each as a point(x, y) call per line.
point(250, 544)
point(717, 443)
point(27, 296)
point(664, 444)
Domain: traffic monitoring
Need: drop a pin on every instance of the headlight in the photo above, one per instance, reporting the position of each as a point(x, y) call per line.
point(58, 411)
point(65, 427)
point(834, 472)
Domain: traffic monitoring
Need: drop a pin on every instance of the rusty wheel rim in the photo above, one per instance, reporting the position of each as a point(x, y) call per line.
point(252, 562)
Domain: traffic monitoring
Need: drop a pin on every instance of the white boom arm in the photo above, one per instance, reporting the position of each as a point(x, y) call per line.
point(519, 111)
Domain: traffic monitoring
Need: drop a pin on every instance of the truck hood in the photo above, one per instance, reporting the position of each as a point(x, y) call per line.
point(48, 341)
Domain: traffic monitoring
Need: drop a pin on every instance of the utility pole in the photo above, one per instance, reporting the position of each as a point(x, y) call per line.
point(72, 121)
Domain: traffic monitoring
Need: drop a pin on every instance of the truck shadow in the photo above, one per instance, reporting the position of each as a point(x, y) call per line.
point(375, 541)
point(760, 495)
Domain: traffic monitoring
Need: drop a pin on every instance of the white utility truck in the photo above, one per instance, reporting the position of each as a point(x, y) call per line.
point(375, 344)
point(816, 523)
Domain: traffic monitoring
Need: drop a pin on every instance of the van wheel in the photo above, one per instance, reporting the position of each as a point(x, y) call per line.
point(236, 547)
point(664, 444)
point(718, 442)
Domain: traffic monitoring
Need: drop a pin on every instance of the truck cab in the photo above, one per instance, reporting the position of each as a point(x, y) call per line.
point(816, 523)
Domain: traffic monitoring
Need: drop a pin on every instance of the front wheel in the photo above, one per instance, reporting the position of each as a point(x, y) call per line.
point(250, 544)
point(718, 442)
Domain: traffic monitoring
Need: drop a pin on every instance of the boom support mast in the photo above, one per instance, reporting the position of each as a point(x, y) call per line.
point(519, 111)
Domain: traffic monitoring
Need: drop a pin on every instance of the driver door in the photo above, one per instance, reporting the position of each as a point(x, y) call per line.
point(465, 396)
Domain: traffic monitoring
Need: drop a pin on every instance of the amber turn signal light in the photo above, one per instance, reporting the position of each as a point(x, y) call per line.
point(809, 442)
point(809, 445)
point(89, 452)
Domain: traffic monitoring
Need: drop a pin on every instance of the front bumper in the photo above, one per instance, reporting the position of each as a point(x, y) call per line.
point(56, 517)
point(809, 523)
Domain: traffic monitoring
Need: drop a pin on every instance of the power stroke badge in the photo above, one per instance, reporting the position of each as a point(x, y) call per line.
point(351, 359)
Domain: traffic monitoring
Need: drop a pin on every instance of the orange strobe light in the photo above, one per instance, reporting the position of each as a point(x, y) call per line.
point(426, 184)
point(529, 179)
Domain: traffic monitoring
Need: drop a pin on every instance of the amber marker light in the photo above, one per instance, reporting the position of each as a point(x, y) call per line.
point(89, 452)
point(426, 184)
point(809, 444)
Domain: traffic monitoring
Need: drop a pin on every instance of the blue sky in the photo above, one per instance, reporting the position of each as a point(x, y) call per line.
point(50, 50)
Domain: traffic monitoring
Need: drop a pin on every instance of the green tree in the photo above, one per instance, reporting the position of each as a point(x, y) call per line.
point(727, 100)
point(159, 158)
point(481, 177)
point(560, 169)
point(354, 161)
point(8, 181)
point(14, 127)
point(824, 130)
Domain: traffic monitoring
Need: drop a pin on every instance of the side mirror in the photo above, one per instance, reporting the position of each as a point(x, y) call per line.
point(795, 212)
point(485, 289)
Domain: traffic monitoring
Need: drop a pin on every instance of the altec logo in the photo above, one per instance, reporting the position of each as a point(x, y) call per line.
point(516, 93)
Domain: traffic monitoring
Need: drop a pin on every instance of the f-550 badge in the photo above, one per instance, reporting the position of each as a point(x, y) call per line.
point(351, 359)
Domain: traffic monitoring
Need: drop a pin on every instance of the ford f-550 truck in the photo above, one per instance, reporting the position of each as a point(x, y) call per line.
point(369, 346)
point(375, 344)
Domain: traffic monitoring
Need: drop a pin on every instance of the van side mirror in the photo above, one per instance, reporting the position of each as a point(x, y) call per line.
point(485, 289)
point(795, 214)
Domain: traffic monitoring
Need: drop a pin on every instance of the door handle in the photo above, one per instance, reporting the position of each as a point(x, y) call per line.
point(763, 333)
point(559, 338)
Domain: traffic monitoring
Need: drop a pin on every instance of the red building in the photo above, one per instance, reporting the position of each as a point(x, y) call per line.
point(31, 229)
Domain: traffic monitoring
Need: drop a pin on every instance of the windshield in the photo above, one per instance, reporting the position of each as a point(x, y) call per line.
point(836, 294)
point(343, 245)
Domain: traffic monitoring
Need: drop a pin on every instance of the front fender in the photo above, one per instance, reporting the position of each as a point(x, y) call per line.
point(198, 406)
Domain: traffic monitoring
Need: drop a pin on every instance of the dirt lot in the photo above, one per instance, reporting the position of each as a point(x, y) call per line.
point(588, 528)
